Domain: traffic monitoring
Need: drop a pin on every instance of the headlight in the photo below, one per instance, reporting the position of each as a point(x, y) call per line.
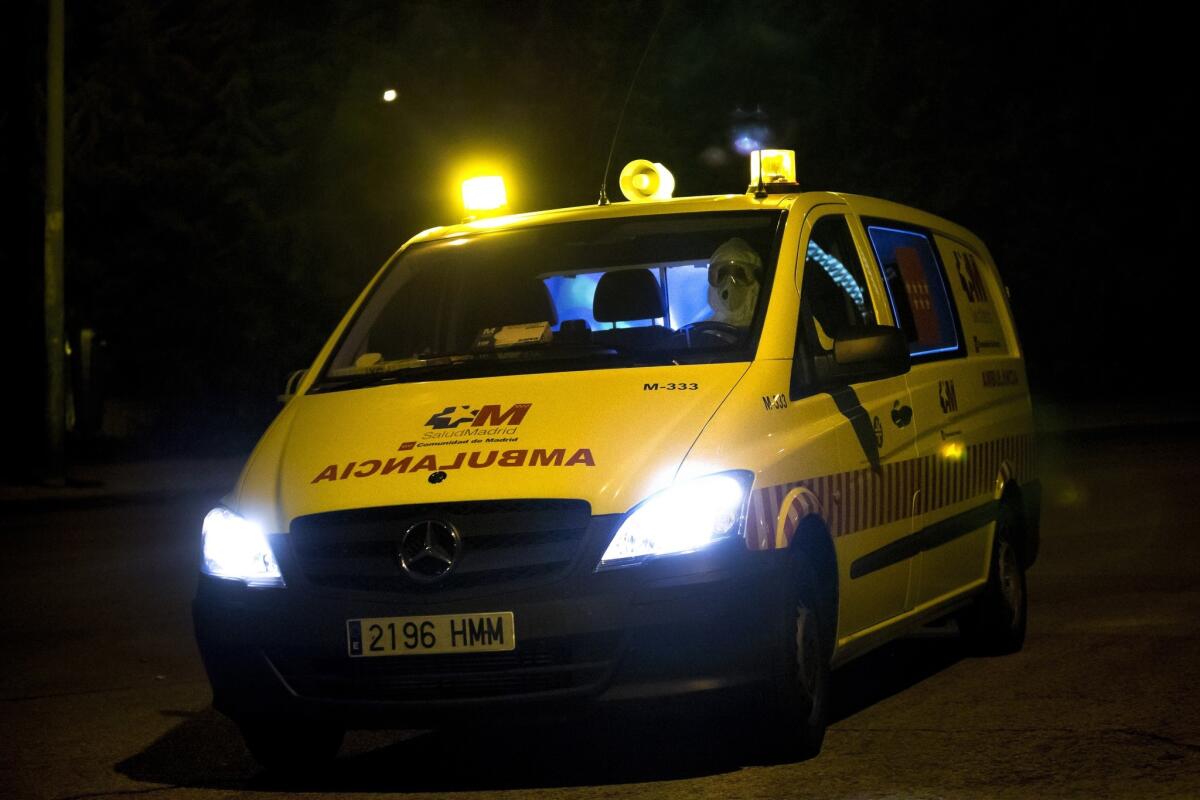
point(235, 547)
point(682, 519)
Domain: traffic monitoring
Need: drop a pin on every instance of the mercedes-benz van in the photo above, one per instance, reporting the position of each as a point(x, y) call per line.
point(670, 449)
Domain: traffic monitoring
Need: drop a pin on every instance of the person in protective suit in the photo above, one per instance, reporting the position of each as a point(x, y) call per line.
point(735, 274)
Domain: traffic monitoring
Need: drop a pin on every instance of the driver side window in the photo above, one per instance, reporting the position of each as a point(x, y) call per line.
point(833, 297)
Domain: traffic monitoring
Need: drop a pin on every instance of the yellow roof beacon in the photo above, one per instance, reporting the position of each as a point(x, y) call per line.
point(775, 169)
point(483, 194)
point(674, 447)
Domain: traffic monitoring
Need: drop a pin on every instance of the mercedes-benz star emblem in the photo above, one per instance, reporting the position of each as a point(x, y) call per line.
point(429, 550)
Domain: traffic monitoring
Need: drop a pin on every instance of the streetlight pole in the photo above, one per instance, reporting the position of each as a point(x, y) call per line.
point(56, 406)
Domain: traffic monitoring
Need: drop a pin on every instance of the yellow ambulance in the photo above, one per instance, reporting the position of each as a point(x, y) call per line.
point(693, 448)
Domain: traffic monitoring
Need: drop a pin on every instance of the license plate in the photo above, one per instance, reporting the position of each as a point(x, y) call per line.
point(445, 633)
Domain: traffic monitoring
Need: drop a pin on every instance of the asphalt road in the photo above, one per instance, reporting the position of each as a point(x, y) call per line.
point(102, 693)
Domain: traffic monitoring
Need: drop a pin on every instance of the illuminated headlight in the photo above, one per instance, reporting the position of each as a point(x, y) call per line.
point(682, 519)
point(235, 547)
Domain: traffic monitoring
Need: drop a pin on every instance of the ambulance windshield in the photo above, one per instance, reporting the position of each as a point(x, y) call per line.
point(681, 288)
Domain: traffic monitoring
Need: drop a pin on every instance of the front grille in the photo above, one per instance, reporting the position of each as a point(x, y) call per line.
point(506, 544)
point(545, 665)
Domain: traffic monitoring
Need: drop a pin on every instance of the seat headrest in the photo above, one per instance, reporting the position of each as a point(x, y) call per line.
point(627, 295)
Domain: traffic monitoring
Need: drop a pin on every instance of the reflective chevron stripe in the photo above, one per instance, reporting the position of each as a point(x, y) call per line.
point(862, 499)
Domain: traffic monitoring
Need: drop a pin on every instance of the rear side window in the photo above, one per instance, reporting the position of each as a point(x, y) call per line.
point(916, 289)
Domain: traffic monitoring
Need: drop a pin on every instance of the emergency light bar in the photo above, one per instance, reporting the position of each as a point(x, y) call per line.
point(482, 194)
point(773, 172)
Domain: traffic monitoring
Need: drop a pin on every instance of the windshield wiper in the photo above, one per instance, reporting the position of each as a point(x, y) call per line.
point(435, 365)
point(568, 350)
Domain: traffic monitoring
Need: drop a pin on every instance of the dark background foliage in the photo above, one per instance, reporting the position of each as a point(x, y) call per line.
point(233, 178)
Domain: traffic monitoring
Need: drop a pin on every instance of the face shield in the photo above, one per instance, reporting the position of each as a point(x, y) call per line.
point(734, 277)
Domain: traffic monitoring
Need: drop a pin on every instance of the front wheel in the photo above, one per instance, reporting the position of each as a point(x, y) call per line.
point(800, 712)
point(995, 622)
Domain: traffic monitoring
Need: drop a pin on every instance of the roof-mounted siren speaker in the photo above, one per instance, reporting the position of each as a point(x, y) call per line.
point(643, 180)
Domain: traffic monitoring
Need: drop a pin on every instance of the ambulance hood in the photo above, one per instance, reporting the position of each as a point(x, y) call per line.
point(610, 437)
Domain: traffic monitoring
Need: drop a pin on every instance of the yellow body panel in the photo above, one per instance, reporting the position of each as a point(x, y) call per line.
point(610, 437)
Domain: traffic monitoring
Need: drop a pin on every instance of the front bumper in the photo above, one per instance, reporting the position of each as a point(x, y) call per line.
point(703, 624)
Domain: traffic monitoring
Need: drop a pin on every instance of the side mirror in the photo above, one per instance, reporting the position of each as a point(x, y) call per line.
point(289, 388)
point(869, 353)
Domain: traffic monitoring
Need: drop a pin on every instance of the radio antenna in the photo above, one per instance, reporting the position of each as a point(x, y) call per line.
point(603, 201)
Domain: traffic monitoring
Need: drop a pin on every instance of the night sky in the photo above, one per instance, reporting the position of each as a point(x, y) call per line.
point(233, 177)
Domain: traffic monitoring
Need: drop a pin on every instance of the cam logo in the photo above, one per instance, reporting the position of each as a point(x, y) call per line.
point(969, 277)
point(483, 417)
point(947, 397)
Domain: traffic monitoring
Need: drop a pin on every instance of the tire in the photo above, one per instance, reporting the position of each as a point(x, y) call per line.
point(799, 714)
point(995, 622)
point(292, 746)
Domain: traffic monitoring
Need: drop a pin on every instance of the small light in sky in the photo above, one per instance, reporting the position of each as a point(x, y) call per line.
point(746, 144)
point(389, 95)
